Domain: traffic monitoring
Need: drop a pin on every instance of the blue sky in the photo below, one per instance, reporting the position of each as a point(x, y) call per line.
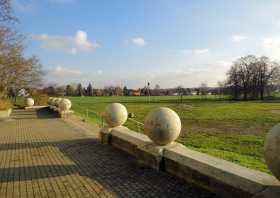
point(130, 42)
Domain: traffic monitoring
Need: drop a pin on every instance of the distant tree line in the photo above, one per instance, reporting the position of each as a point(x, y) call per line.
point(89, 90)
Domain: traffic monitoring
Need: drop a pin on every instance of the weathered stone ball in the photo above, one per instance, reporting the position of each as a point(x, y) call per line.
point(29, 102)
point(162, 125)
point(57, 101)
point(65, 104)
point(50, 100)
point(115, 114)
point(272, 150)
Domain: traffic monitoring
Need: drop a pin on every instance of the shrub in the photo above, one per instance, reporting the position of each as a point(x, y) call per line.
point(5, 104)
point(40, 99)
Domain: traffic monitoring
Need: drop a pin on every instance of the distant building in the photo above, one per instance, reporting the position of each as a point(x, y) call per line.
point(134, 92)
point(23, 92)
point(194, 93)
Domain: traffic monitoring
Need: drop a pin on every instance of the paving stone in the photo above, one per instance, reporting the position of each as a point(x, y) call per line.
point(42, 156)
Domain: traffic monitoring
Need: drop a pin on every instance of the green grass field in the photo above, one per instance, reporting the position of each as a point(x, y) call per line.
point(226, 129)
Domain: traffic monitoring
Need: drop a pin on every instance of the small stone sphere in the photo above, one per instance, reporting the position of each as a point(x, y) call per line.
point(65, 104)
point(29, 102)
point(272, 150)
point(162, 125)
point(115, 114)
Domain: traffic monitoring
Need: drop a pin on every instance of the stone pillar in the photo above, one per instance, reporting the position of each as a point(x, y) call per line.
point(29, 102)
point(64, 106)
point(163, 127)
point(115, 115)
point(272, 158)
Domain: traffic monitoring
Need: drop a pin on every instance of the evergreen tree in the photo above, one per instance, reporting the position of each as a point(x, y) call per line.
point(89, 90)
point(69, 90)
point(125, 91)
point(79, 90)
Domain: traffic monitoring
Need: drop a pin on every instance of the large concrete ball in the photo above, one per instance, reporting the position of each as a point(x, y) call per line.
point(272, 150)
point(162, 125)
point(65, 104)
point(57, 101)
point(50, 100)
point(115, 114)
point(29, 102)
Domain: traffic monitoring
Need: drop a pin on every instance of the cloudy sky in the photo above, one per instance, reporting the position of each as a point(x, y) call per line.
point(130, 42)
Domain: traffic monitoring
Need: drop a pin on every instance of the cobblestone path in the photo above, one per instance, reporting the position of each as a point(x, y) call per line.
point(46, 157)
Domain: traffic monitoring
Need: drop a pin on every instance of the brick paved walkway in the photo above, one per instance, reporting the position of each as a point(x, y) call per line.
point(46, 157)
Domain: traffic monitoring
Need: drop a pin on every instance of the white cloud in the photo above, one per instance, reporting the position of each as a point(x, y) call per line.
point(99, 72)
point(69, 44)
point(201, 51)
point(271, 47)
point(190, 76)
point(64, 75)
point(137, 41)
point(60, 71)
point(238, 38)
point(195, 51)
point(271, 42)
point(224, 63)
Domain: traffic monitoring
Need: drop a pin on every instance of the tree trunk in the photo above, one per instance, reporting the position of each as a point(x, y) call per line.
point(262, 93)
point(245, 93)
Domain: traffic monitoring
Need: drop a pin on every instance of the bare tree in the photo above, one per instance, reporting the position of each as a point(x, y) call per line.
point(89, 90)
point(6, 11)
point(203, 89)
point(156, 91)
point(250, 76)
point(16, 71)
point(180, 91)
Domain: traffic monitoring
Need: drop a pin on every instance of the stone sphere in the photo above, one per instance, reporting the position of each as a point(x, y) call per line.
point(115, 114)
point(272, 150)
point(162, 125)
point(65, 104)
point(57, 101)
point(50, 100)
point(29, 102)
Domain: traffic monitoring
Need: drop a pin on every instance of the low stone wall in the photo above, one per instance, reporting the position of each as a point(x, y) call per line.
point(5, 114)
point(216, 175)
point(60, 106)
point(59, 113)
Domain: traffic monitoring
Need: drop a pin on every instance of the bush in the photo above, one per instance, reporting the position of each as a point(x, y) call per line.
point(5, 104)
point(40, 99)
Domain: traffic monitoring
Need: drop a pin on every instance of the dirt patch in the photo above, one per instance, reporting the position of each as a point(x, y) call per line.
point(185, 107)
point(276, 111)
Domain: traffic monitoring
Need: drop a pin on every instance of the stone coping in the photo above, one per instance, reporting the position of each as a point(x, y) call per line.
point(60, 113)
point(219, 176)
point(36, 107)
point(4, 114)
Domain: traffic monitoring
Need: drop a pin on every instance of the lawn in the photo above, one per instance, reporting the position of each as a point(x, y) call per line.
point(226, 129)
